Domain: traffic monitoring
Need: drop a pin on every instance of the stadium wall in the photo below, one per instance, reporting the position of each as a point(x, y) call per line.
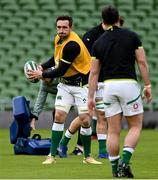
point(45, 120)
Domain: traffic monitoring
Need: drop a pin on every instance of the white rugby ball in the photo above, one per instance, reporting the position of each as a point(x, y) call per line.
point(30, 65)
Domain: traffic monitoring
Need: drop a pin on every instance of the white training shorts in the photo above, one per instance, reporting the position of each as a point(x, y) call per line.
point(99, 97)
point(71, 95)
point(122, 96)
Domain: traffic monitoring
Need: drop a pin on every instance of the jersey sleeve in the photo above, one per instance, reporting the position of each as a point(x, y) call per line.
point(48, 64)
point(94, 52)
point(88, 41)
point(137, 42)
point(70, 52)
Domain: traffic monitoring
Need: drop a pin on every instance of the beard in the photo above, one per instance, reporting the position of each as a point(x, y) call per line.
point(63, 35)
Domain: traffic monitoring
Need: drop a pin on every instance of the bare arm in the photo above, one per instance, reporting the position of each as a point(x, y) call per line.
point(143, 69)
point(92, 84)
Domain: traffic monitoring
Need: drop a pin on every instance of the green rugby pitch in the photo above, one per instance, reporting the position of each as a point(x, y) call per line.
point(144, 161)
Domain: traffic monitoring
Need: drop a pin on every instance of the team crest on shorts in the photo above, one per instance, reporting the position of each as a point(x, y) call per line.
point(59, 97)
point(84, 100)
point(136, 106)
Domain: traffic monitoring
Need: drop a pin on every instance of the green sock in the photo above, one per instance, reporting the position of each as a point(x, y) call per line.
point(102, 146)
point(114, 165)
point(86, 141)
point(94, 125)
point(64, 141)
point(126, 156)
point(56, 137)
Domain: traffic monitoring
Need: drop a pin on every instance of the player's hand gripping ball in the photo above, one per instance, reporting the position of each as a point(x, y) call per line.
point(30, 65)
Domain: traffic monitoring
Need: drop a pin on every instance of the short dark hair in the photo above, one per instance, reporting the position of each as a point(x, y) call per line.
point(65, 17)
point(110, 15)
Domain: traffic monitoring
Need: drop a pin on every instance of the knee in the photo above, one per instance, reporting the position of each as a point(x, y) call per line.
point(114, 132)
point(85, 120)
point(60, 116)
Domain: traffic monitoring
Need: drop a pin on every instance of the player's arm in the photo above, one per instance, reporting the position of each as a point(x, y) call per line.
point(70, 52)
point(143, 68)
point(92, 84)
point(48, 64)
point(93, 77)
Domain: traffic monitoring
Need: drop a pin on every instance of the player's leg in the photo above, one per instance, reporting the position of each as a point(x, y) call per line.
point(132, 107)
point(78, 150)
point(57, 132)
point(86, 131)
point(86, 139)
point(130, 142)
point(132, 137)
point(114, 128)
point(113, 114)
point(62, 107)
point(101, 122)
point(102, 134)
point(94, 127)
point(74, 126)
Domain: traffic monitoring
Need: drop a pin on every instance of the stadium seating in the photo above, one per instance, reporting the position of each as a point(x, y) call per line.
point(49, 8)
point(88, 5)
point(101, 3)
point(5, 15)
point(65, 5)
point(11, 8)
point(144, 5)
point(28, 28)
point(30, 8)
point(6, 2)
point(46, 2)
point(125, 6)
point(23, 14)
point(25, 2)
point(3, 68)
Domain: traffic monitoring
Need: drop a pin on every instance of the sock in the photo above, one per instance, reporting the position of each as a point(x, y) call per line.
point(79, 142)
point(127, 154)
point(65, 140)
point(57, 132)
point(102, 143)
point(114, 163)
point(86, 140)
point(94, 125)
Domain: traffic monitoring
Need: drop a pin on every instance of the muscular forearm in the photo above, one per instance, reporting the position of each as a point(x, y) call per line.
point(142, 65)
point(143, 68)
point(92, 85)
point(93, 78)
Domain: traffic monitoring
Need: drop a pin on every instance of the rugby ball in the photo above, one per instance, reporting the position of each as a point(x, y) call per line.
point(30, 65)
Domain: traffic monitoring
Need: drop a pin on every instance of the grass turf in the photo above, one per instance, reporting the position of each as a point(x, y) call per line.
point(144, 161)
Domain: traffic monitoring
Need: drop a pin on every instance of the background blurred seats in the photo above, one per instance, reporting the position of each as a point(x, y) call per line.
point(28, 29)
